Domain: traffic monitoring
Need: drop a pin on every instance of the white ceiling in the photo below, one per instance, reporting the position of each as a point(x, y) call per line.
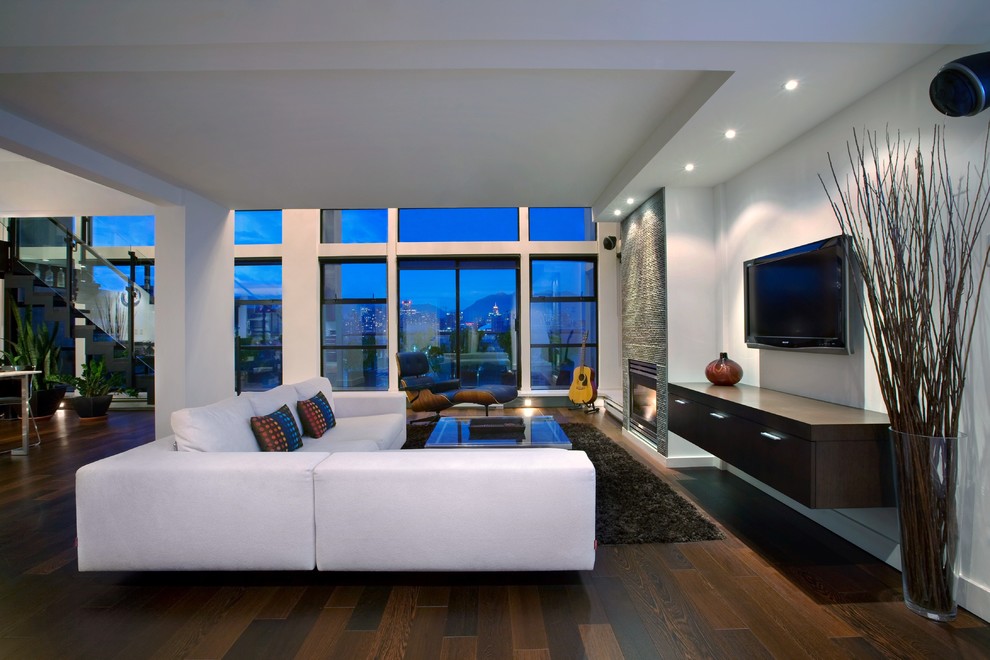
point(315, 104)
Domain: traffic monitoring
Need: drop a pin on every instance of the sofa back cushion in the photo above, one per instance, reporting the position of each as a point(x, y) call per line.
point(307, 389)
point(221, 426)
point(267, 402)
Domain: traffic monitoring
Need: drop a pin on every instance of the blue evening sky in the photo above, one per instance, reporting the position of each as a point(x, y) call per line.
point(371, 226)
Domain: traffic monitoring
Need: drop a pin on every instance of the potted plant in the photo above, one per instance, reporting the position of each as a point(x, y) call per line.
point(916, 233)
point(95, 388)
point(35, 348)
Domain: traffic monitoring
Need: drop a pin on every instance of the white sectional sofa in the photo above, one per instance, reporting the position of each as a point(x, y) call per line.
point(207, 498)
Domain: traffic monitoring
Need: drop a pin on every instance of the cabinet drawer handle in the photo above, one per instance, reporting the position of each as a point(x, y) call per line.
point(681, 401)
point(718, 415)
point(771, 436)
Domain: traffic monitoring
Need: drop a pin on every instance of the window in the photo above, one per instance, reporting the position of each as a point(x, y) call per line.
point(257, 227)
point(462, 314)
point(354, 226)
point(355, 324)
point(561, 224)
point(123, 230)
point(563, 313)
point(258, 324)
point(451, 225)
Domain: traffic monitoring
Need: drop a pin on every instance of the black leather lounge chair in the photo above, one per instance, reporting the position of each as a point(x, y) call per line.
point(427, 394)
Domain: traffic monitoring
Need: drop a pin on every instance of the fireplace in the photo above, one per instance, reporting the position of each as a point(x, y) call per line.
point(643, 398)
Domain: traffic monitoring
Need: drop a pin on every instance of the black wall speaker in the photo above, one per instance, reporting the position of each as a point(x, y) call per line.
point(609, 242)
point(959, 89)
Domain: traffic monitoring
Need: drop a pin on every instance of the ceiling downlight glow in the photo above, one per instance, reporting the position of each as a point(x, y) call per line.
point(630, 200)
point(730, 134)
point(689, 167)
point(791, 85)
point(616, 212)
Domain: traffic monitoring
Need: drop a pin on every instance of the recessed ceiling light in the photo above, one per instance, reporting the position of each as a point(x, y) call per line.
point(791, 85)
point(616, 212)
point(629, 200)
point(729, 134)
point(689, 167)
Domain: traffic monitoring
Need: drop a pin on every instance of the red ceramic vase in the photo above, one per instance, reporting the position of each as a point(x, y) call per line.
point(723, 371)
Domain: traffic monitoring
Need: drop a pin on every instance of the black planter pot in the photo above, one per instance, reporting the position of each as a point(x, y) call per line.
point(45, 403)
point(92, 406)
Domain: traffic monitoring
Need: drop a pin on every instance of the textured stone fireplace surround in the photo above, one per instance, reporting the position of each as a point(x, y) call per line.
point(643, 275)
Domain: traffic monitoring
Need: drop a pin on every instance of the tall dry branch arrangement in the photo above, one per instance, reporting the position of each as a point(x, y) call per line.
point(916, 233)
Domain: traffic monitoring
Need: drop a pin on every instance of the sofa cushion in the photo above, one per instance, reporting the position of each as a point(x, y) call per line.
point(277, 431)
point(365, 433)
point(283, 395)
point(307, 389)
point(316, 415)
point(222, 426)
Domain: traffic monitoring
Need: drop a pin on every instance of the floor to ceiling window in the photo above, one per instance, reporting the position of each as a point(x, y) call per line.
point(258, 324)
point(463, 314)
point(355, 324)
point(563, 320)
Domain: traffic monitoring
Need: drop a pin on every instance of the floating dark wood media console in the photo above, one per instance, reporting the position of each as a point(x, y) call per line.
point(823, 455)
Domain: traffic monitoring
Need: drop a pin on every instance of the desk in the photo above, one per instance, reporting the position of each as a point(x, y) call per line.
point(25, 377)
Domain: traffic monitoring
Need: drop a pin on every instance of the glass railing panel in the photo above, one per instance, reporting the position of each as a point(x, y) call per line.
point(99, 288)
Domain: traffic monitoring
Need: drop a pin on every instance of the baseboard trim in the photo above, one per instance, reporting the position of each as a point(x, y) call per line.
point(974, 597)
point(677, 462)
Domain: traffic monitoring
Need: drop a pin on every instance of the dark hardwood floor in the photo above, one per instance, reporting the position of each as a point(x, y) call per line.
point(777, 586)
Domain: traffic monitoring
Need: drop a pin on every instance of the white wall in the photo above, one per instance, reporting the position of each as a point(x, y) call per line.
point(780, 203)
point(301, 295)
point(194, 321)
point(693, 295)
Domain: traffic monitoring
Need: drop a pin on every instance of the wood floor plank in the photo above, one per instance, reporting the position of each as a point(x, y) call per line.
point(560, 619)
point(396, 623)
point(897, 631)
point(434, 596)
point(345, 596)
point(425, 638)
point(494, 624)
point(353, 645)
point(282, 602)
point(741, 643)
point(765, 619)
point(526, 614)
point(209, 617)
point(370, 608)
point(708, 601)
point(462, 612)
point(459, 648)
point(630, 631)
point(325, 633)
point(600, 643)
point(680, 627)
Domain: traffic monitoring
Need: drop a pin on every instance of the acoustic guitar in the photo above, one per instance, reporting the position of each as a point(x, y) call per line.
point(582, 391)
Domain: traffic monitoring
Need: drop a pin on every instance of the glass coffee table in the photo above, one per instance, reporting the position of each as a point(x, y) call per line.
point(539, 431)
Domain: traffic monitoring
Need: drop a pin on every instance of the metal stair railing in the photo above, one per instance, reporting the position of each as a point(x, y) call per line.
point(91, 287)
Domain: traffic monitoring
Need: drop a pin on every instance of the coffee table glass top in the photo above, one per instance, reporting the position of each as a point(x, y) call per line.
point(538, 431)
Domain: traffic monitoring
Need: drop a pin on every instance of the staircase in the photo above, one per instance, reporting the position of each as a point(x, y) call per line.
point(97, 306)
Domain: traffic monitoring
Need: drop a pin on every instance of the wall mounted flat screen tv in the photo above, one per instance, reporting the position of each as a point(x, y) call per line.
point(798, 299)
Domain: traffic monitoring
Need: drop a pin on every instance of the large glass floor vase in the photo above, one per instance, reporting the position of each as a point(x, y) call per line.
point(925, 472)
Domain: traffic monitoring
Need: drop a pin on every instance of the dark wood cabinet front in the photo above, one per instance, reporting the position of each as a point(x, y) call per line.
point(820, 454)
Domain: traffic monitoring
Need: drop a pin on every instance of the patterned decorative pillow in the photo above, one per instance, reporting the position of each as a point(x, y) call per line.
point(316, 415)
point(277, 431)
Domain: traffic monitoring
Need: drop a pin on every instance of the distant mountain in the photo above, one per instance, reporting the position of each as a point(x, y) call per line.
point(480, 310)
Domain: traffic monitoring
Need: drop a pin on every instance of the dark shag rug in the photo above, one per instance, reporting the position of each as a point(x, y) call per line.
point(633, 504)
